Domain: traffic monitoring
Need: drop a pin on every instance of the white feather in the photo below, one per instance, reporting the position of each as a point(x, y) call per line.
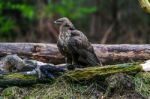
point(31, 72)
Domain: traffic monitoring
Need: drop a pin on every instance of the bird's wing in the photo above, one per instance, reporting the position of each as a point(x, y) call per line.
point(79, 44)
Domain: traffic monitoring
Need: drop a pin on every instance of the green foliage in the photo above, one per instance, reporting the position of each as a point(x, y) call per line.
point(72, 9)
point(6, 24)
point(10, 13)
point(26, 10)
point(19, 18)
point(23, 13)
point(68, 8)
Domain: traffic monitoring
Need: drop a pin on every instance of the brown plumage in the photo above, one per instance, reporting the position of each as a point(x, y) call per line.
point(74, 45)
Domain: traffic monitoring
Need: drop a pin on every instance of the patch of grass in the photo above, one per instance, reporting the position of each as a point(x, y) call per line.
point(142, 83)
point(64, 90)
point(59, 90)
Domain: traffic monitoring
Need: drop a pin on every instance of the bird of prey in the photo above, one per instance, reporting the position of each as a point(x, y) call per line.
point(74, 45)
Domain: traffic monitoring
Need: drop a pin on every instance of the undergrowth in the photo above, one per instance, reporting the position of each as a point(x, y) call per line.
point(59, 90)
point(64, 90)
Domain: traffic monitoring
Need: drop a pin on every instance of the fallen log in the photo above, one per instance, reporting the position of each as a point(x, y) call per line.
point(84, 74)
point(101, 73)
point(107, 54)
point(36, 51)
point(19, 79)
point(95, 73)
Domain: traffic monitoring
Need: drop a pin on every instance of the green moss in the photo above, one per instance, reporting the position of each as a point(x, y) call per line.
point(14, 92)
point(19, 76)
point(102, 72)
point(18, 79)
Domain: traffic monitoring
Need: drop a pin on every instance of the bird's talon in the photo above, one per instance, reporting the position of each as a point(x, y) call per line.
point(71, 67)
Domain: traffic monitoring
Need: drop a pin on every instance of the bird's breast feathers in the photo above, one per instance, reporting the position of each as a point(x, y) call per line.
point(63, 40)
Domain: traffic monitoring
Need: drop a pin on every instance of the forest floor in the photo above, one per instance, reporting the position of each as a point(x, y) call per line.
point(62, 89)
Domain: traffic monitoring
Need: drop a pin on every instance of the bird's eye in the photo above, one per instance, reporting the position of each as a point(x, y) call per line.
point(58, 21)
point(67, 25)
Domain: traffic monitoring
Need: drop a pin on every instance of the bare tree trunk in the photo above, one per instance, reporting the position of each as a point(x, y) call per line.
point(95, 17)
point(107, 54)
point(106, 34)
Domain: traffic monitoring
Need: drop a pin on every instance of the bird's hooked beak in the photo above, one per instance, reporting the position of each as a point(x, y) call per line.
point(58, 21)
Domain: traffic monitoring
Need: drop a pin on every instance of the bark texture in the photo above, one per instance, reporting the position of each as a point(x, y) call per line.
point(100, 73)
point(107, 54)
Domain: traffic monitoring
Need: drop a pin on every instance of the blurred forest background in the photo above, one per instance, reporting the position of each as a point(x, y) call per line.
point(103, 21)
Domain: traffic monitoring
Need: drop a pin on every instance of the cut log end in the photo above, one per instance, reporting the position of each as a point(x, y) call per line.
point(146, 66)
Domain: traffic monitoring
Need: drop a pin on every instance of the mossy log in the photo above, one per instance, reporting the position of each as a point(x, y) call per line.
point(84, 74)
point(49, 52)
point(101, 73)
point(19, 79)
